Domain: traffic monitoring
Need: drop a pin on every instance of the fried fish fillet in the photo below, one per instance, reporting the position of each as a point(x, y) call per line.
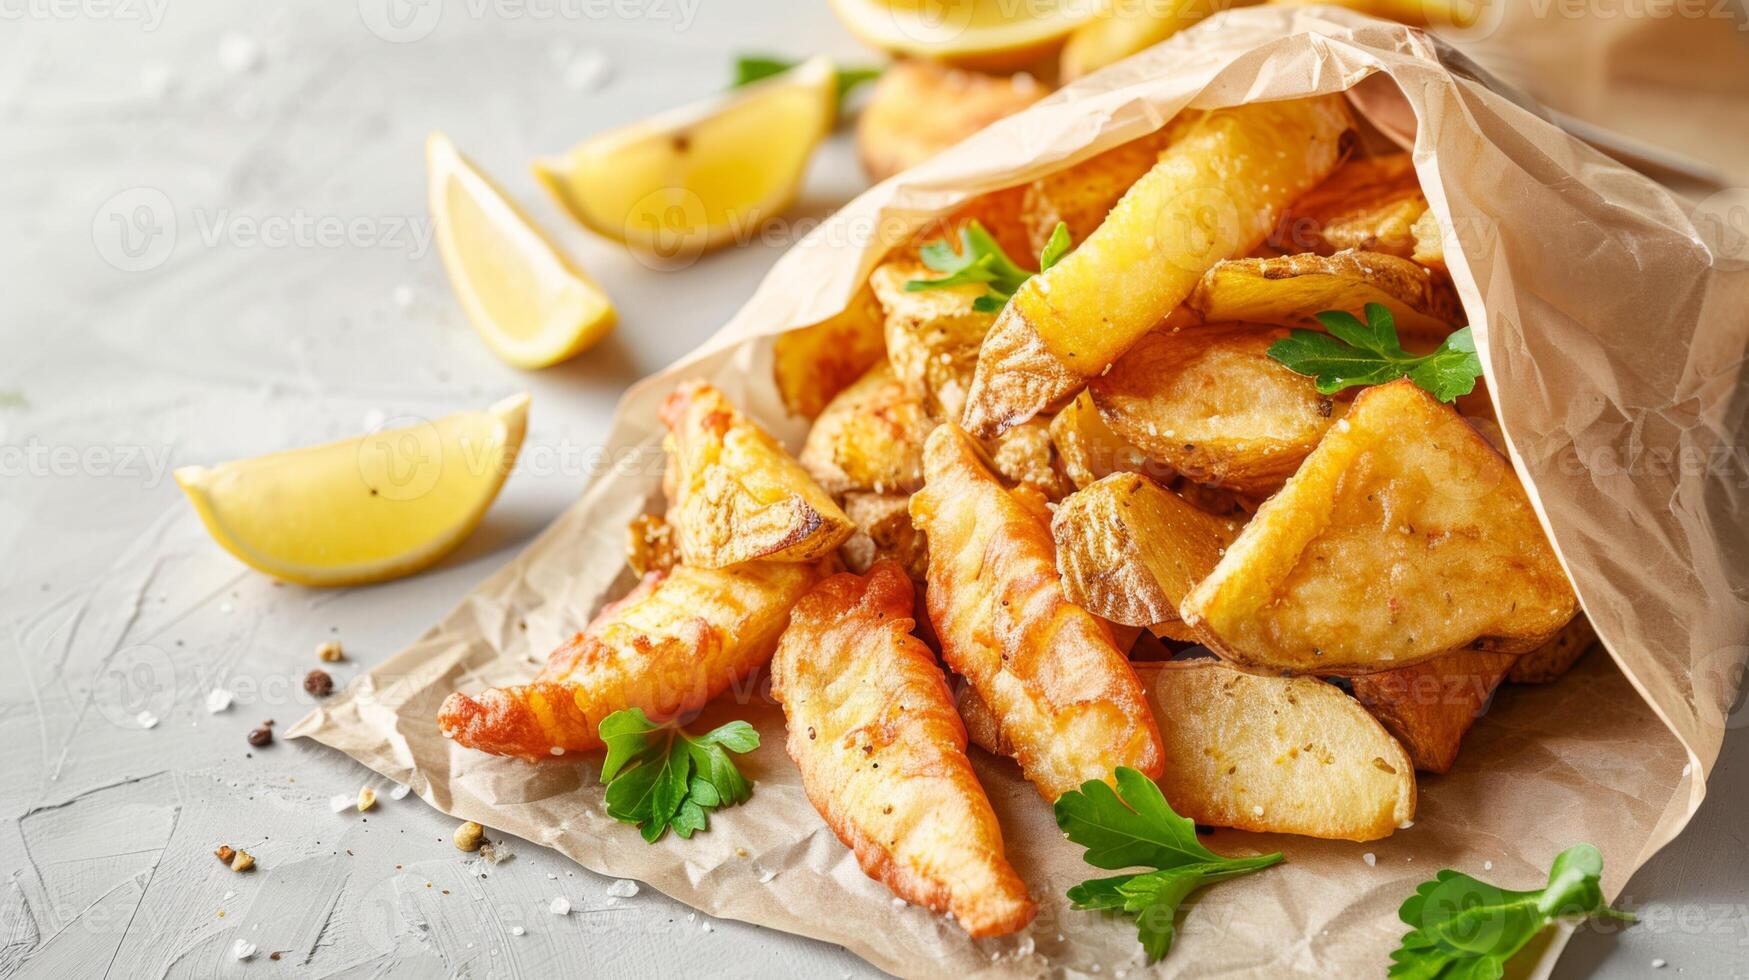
point(883, 753)
point(673, 643)
point(1064, 694)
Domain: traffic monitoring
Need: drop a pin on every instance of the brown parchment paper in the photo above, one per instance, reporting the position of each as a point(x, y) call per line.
point(1613, 342)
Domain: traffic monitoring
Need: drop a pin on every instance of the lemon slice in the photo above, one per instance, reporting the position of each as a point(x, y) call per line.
point(686, 181)
point(533, 307)
point(361, 510)
point(994, 35)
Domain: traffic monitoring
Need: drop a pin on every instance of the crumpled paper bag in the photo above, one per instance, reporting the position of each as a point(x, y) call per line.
point(1613, 340)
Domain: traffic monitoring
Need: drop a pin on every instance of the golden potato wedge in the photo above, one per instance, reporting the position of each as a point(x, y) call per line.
point(1403, 536)
point(1215, 193)
point(1212, 404)
point(1081, 195)
point(1025, 457)
point(1063, 692)
point(738, 495)
point(1290, 289)
point(920, 108)
point(1280, 755)
point(883, 530)
point(1429, 707)
point(1557, 656)
point(869, 438)
point(1090, 451)
point(1429, 242)
point(650, 545)
point(812, 364)
point(1129, 550)
point(1369, 204)
point(932, 335)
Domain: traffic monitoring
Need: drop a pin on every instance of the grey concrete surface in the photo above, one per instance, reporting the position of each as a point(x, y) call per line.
point(213, 243)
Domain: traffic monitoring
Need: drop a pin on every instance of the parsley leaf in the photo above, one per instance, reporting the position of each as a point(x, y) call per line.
point(1133, 826)
point(980, 259)
point(1356, 353)
point(750, 68)
point(659, 777)
point(1463, 927)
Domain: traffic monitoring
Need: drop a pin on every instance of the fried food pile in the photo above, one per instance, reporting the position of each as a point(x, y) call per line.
point(1012, 475)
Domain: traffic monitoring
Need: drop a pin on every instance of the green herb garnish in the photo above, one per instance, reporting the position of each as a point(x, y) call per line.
point(980, 260)
point(1462, 927)
point(1356, 353)
point(1134, 827)
point(659, 777)
point(750, 68)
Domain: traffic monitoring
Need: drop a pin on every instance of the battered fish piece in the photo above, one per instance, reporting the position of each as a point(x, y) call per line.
point(1063, 693)
point(883, 753)
point(676, 641)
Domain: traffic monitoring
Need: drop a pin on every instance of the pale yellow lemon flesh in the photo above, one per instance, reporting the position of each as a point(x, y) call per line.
point(530, 303)
point(376, 507)
point(683, 182)
point(992, 35)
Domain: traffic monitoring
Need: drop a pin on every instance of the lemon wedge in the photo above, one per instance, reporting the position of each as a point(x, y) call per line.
point(686, 181)
point(992, 35)
point(531, 304)
point(361, 510)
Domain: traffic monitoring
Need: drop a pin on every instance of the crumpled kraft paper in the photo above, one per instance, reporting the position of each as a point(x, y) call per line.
point(1613, 340)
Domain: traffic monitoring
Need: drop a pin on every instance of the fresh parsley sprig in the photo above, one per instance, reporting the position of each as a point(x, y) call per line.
point(980, 259)
point(1463, 927)
point(659, 777)
point(750, 68)
point(1356, 353)
point(1134, 827)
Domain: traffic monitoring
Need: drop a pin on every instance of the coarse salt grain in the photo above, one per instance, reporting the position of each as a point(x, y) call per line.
point(1658, 964)
point(766, 876)
point(1370, 858)
point(218, 699)
point(242, 949)
point(623, 888)
point(399, 791)
point(1257, 810)
point(560, 906)
point(147, 719)
point(1487, 866)
point(341, 803)
point(707, 927)
point(517, 930)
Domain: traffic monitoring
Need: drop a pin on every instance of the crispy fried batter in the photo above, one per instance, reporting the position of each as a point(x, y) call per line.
point(1065, 695)
point(1429, 707)
point(1210, 402)
point(920, 108)
point(869, 438)
point(1214, 194)
point(1286, 755)
point(883, 530)
point(1403, 536)
point(811, 364)
point(1025, 457)
point(738, 495)
point(650, 545)
point(670, 645)
point(883, 753)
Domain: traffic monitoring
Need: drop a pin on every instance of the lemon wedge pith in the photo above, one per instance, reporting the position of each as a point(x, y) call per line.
point(993, 35)
point(683, 182)
point(532, 306)
point(361, 510)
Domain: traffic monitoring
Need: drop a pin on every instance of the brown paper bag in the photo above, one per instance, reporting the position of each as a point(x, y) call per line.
point(1613, 341)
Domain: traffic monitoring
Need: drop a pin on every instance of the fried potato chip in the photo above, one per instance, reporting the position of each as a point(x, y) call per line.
point(883, 530)
point(1429, 707)
point(1429, 242)
point(811, 364)
point(1216, 193)
point(869, 438)
point(932, 334)
point(650, 545)
point(1129, 551)
point(1280, 755)
point(982, 728)
point(738, 495)
point(1090, 451)
point(1403, 536)
point(1025, 456)
point(1369, 204)
point(882, 752)
point(919, 108)
point(673, 643)
point(1291, 289)
point(1556, 657)
point(1081, 195)
point(1064, 694)
point(1212, 404)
